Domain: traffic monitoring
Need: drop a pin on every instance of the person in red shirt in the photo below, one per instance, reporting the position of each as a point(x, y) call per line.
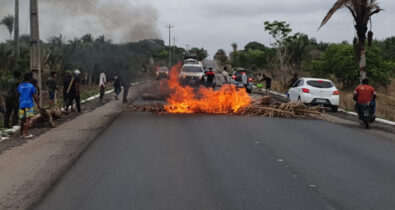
point(365, 94)
point(210, 77)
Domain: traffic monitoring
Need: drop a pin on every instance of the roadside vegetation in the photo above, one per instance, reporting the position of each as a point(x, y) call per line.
point(92, 56)
point(292, 53)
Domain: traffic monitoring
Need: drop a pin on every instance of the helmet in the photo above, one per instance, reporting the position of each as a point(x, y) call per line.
point(77, 72)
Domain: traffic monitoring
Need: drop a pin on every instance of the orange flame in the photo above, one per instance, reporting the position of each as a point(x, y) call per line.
point(184, 99)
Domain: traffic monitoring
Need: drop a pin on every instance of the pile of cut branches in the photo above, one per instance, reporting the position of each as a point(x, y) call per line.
point(261, 107)
point(153, 108)
point(269, 108)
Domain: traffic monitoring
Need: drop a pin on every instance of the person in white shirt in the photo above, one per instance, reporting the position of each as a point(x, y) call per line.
point(244, 78)
point(225, 75)
point(102, 84)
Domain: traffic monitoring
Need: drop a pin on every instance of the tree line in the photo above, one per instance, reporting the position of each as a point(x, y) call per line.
point(299, 53)
point(91, 55)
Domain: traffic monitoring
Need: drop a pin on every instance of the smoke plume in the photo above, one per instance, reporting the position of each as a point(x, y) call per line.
point(119, 20)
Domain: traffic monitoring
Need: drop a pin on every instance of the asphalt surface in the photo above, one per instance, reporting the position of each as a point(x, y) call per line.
point(146, 161)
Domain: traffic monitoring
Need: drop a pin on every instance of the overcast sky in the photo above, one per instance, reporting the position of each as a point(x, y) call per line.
point(211, 24)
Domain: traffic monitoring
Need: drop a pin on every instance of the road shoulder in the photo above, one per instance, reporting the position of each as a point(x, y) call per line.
point(28, 171)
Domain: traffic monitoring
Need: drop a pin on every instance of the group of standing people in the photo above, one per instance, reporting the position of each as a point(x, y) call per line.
point(21, 95)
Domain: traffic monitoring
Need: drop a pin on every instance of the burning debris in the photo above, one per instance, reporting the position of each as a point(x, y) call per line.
point(227, 100)
point(184, 99)
point(272, 109)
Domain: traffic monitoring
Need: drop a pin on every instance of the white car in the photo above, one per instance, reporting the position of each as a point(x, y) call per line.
point(313, 91)
point(191, 74)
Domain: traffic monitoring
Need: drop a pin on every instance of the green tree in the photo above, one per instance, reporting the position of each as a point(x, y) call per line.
point(362, 12)
point(200, 53)
point(280, 30)
point(255, 46)
point(340, 60)
point(298, 50)
point(8, 21)
point(221, 58)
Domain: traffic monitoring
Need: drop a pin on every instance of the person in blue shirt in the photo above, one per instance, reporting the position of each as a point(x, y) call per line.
point(27, 93)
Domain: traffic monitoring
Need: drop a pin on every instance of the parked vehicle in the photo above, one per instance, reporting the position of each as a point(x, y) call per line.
point(162, 72)
point(191, 74)
point(313, 91)
point(237, 79)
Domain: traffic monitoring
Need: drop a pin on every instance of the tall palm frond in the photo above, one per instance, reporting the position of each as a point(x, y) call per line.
point(8, 21)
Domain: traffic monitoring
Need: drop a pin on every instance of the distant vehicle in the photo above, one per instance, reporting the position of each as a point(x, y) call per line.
point(162, 72)
point(313, 91)
point(237, 79)
point(190, 56)
point(191, 61)
point(191, 74)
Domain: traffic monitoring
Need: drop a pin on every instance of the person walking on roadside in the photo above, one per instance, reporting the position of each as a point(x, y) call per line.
point(27, 93)
point(52, 88)
point(125, 82)
point(66, 82)
point(102, 86)
point(11, 101)
point(117, 86)
point(73, 91)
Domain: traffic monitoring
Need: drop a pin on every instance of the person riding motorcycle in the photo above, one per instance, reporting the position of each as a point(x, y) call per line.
point(365, 94)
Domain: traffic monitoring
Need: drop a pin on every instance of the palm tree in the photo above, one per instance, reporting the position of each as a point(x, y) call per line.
point(362, 12)
point(221, 58)
point(8, 21)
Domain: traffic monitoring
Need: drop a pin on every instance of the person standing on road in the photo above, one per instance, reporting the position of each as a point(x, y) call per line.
point(125, 82)
point(102, 84)
point(225, 75)
point(73, 91)
point(52, 88)
point(11, 101)
point(117, 86)
point(244, 79)
point(210, 77)
point(268, 81)
point(27, 92)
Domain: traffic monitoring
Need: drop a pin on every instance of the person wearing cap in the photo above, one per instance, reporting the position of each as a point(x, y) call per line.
point(73, 91)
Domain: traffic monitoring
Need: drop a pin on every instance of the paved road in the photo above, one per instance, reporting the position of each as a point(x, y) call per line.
point(145, 161)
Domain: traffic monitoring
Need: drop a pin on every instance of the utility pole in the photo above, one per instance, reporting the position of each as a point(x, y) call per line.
point(16, 30)
point(174, 46)
point(169, 27)
point(187, 47)
point(35, 58)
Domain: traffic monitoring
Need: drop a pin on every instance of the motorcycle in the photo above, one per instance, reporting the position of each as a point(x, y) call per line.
point(365, 114)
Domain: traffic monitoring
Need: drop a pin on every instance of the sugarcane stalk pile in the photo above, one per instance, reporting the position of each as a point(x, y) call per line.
point(153, 108)
point(284, 110)
point(262, 107)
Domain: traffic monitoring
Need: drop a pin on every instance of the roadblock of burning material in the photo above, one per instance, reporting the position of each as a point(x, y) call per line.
point(261, 107)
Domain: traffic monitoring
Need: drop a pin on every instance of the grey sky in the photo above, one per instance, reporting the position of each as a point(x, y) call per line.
point(211, 24)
